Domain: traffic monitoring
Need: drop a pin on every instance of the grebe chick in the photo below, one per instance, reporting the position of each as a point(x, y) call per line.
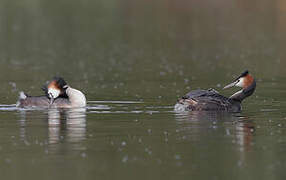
point(58, 94)
point(211, 100)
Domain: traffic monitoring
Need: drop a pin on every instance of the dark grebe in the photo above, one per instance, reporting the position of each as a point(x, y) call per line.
point(211, 100)
point(58, 94)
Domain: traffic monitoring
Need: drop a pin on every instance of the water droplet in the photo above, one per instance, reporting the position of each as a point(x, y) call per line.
point(125, 159)
point(186, 81)
point(159, 161)
point(227, 132)
point(8, 160)
point(177, 156)
point(162, 73)
point(26, 143)
point(83, 155)
point(179, 164)
point(123, 143)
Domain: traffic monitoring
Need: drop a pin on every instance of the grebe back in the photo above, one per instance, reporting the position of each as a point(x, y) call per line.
point(211, 100)
point(58, 94)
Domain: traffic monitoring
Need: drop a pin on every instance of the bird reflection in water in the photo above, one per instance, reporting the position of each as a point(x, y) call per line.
point(197, 125)
point(244, 132)
point(66, 128)
point(67, 125)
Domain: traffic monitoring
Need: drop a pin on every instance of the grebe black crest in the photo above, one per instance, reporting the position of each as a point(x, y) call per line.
point(211, 100)
point(57, 94)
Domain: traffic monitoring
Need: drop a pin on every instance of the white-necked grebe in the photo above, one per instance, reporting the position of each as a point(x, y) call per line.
point(211, 100)
point(58, 94)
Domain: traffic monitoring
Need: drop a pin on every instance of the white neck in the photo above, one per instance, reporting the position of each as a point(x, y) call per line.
point(76, 97)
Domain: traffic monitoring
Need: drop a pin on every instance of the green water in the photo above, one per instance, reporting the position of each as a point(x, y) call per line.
point(133, 59)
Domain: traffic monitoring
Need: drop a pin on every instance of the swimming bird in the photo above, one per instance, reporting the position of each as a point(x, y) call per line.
point(211, 100)
point(58, 95)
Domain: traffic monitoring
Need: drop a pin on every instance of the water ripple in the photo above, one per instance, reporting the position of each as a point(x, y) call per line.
point(105, 107)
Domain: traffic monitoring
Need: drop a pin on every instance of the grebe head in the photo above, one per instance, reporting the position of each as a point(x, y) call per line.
point(246, 82)
point(55, 88)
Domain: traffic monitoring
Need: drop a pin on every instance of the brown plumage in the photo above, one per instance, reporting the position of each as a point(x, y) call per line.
point(45, 101)
point(211, 100)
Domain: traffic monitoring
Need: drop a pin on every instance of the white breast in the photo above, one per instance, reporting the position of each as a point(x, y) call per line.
point(76, 97)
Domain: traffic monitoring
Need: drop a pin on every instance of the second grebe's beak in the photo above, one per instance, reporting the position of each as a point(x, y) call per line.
point(240, 81)
point(52, 99)
point(231, 84)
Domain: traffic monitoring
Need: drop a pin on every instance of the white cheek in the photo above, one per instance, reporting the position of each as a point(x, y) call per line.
point(240, 83)
point(54, 92)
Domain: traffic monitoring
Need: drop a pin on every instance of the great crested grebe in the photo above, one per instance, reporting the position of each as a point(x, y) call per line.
point(211, 100)
point(58, 94)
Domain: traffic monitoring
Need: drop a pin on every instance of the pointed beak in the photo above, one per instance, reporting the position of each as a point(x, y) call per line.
point(230, 85)
point(51, 98)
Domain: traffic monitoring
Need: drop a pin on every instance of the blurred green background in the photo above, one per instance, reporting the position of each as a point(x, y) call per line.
point(136, 46)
